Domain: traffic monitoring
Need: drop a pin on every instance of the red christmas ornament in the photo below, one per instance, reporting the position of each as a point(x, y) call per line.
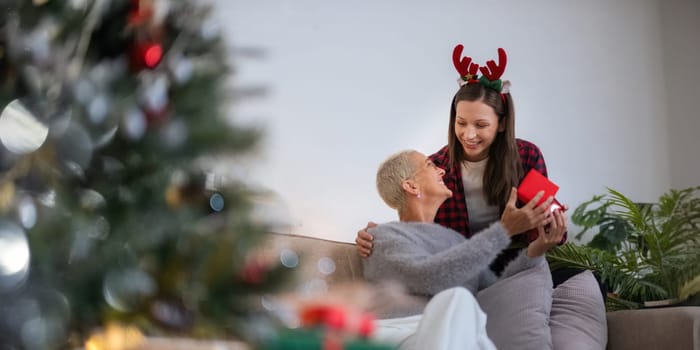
point(145, 55)
point(254, 272)
point(366, 325)
point(338, 319)
point(152, 55)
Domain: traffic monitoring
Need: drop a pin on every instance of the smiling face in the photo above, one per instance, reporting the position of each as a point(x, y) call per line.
point(427, 179)
point(476, 126)
point(481, 125)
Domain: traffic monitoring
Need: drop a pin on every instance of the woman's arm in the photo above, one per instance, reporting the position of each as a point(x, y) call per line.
point(397, 256)
point(534, 254)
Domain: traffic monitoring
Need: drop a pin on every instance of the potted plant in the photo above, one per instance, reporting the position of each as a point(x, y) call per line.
point(647, 254)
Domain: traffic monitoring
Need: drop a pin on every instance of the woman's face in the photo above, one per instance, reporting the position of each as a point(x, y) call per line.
point(428, 176)
point(476, 126)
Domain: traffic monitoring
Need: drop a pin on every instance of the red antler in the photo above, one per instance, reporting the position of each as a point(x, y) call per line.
point(464, 65)
point(494, 72)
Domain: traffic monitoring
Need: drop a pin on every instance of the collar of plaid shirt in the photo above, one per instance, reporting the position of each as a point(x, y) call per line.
point(454, 213)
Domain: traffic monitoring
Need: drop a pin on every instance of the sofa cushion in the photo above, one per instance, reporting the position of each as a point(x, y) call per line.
point(578, 319)
point(518, 308)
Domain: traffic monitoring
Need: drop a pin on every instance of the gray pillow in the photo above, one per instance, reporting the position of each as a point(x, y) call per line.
point(578, 317)
point(517, 309)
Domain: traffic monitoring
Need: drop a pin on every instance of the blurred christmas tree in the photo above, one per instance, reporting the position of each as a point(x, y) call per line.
point(109, 108)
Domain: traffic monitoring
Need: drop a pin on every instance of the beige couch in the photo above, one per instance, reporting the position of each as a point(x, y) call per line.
point(663, 328)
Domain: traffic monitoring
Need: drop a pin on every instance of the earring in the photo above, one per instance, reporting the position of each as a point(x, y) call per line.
point(418, 195)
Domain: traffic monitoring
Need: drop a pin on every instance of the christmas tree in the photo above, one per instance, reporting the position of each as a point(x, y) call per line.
point(111, 111)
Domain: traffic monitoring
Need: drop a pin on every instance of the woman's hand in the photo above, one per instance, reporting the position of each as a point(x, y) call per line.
point(363, 242)
point(518, 220)
point(549, 236)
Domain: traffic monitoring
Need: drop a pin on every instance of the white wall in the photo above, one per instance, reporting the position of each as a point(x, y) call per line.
point(681, 45)
point(351, 82)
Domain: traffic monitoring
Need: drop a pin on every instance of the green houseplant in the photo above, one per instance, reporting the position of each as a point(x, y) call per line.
point(647, 254)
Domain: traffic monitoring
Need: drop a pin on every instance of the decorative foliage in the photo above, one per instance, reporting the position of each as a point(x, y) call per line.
point(109, 108)
point(643, 252)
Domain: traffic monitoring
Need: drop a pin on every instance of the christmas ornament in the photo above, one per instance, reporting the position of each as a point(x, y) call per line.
point(7, 195)
point(216, 202)
point(153, 97)
point(14, 260)
point(134, 124)
point(84, 90)
point(21, 131)
point(38, 42)
point(255, 270)
point(289, 258)
point(74, 150)
point(127, 290)
point(146, 55)
point(115, 337)
point(154, 91)
point(26, 210)
point(39, 317)
point(344, 322)
point(181, 69)
point(172, 196)
point(171, 313)
point(184, 189)
point(91, 200)
point(98, 108)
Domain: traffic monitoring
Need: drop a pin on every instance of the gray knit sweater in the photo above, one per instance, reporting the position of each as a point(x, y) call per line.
point(428, 258)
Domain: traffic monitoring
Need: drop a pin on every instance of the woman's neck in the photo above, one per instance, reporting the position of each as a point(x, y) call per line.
point(419, 211)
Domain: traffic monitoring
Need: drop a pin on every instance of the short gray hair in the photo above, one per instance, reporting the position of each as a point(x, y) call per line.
point(392, 172)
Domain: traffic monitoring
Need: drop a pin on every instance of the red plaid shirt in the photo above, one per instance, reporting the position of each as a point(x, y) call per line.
point(453, 213)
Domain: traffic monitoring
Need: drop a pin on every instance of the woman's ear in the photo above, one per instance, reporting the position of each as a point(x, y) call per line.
point(410, 187)
point(502, 125)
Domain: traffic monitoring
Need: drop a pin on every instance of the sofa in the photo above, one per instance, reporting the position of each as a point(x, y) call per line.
point(326, 263)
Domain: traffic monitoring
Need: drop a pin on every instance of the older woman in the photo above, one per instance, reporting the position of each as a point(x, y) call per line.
point(428, 258)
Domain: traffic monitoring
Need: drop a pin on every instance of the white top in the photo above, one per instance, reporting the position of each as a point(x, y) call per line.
point(481, 215)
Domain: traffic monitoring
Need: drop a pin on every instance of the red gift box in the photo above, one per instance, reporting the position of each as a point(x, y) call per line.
point(534, 182)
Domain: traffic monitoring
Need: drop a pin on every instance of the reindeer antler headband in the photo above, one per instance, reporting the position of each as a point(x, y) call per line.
point(492, 72)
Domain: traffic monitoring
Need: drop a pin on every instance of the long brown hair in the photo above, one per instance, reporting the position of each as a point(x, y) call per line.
point(503, 169)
